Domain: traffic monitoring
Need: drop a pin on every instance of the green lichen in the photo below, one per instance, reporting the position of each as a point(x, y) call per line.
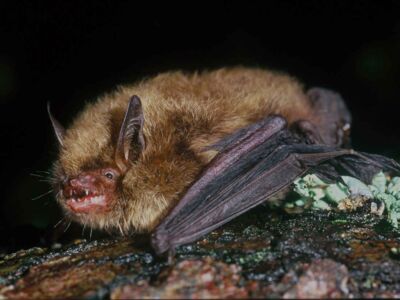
point(388, 191)
point(324, 196)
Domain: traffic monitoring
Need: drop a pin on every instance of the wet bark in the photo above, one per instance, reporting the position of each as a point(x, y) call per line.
point(262, 254)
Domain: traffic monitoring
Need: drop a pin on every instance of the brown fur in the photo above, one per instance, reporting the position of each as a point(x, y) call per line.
point(183, 114)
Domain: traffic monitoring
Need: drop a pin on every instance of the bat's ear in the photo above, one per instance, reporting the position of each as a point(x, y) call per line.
point(131, 139)
point(58, 128)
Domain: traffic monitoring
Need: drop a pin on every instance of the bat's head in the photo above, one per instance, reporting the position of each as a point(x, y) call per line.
point(96, 152)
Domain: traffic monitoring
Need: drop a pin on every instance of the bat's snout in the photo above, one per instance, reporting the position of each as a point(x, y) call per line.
point(85, 194)
point(83, 181)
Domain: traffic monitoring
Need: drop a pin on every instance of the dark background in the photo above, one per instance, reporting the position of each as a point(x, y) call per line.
point(68, 52)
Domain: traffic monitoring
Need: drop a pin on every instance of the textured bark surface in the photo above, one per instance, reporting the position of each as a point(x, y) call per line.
point(262, 254)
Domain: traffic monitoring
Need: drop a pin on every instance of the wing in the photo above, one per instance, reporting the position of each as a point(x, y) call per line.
point(259, 163)
point(252, 167)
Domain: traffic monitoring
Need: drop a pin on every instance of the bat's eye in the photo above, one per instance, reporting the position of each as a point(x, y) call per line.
point(109, 175)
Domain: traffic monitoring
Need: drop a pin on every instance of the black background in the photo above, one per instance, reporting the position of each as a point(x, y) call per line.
point(68, 52)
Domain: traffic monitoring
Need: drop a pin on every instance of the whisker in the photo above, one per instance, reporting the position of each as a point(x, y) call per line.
point(83, 229)
point(69, 224)
point(46, 172)
point(42, 195)
point(120, 229)
point(46, 179)
point(59, 222)
point(91, 231)
point(122, 211)
point(37, 175)
point(49, 180)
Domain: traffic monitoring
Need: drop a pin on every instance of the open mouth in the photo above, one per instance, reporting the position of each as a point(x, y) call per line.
point(85, 201)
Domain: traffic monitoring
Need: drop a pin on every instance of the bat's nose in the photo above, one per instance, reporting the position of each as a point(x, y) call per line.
point(83, 180)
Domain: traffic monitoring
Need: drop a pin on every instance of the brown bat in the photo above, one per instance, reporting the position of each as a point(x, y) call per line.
point(197, 150)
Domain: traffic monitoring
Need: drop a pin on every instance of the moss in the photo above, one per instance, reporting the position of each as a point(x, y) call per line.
point(347, 196)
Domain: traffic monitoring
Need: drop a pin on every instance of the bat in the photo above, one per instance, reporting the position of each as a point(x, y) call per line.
point(178, 155)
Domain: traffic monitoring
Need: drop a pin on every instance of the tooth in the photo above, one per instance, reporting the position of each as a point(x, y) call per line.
point(87, 192)
point(97, 200)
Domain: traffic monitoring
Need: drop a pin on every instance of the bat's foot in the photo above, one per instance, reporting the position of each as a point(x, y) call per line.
point(171, 256)
point(307, 132)
point(159, 241)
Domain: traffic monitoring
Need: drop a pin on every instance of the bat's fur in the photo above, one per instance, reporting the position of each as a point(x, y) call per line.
point(183, 113)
